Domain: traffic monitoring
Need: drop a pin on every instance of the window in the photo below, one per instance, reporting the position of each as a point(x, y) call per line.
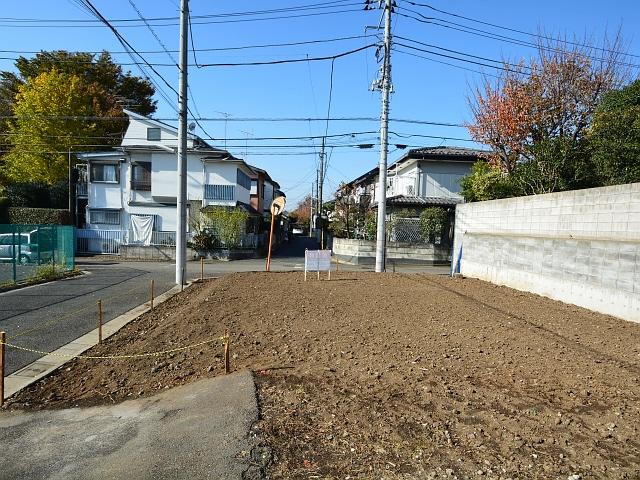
point(105, 172)
point(243, 179)
point(104, 216)
point(254, 187)
point(153, 134)
point(219, 192)
point(141, 176)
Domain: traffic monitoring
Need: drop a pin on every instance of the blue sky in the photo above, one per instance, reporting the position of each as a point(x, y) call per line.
point(424, 89)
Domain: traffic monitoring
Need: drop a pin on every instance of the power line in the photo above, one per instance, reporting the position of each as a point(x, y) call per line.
point(506, 69)
point(445, 63)
point(510, 29)
point(161, 43)
point(218, 49)
point(238, 64)
point(204, 22)
point(127, 46)
point(458, 52)
point(241, 119)
point(330, 4)
point(296, 60)
point(495, 36)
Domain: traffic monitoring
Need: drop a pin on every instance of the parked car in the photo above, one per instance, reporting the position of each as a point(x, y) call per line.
point(21, 246)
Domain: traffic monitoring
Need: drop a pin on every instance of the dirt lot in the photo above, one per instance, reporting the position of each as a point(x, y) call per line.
point(394, 376)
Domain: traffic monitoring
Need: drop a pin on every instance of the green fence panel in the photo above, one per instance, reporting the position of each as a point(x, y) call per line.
point(28, 252)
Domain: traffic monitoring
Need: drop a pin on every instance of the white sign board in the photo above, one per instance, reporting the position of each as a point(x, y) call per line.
point(317, 261)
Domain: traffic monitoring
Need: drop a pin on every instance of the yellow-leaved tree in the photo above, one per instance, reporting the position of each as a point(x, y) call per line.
point(47, 125)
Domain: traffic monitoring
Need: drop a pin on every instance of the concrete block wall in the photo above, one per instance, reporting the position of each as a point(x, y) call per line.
point(363, 252)
point(580, 247)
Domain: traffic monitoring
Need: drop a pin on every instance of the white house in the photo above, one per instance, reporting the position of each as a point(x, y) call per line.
point(422, 177)
point(139, 178)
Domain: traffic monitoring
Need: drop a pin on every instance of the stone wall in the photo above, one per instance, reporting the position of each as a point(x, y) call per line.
point(580, 247)
point(363, 252)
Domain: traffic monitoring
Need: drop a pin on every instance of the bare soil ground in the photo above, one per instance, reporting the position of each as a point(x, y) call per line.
point(393, 376)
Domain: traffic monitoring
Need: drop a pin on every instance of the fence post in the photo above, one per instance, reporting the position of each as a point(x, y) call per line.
point(227, 365)
point(152, 283)
point(13, 253)
point(201, 269)
point(38, 242)
point(3, 337)
point(99, 321)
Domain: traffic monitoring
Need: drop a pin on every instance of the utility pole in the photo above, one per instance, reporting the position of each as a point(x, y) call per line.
point(381, 240)
point(311, 212)
point(181, 203)
point(321, 181)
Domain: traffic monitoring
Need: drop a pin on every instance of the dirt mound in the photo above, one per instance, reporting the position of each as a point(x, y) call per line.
point(393, 376)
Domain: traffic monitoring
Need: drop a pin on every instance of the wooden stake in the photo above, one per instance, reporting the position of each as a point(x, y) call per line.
point(201, 269)
point(152, 283)
point(99, 321)
point(227, 364)
point(3, 338)
point(337, 264)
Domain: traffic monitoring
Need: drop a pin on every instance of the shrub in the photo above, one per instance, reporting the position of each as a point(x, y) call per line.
point(219, 227)
point(432, 222)
point(39, 216)
point(486, 182)
point(37, 194)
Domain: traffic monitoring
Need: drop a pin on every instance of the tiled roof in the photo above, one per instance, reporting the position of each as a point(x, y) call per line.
point(412, 200)
point(446, 151)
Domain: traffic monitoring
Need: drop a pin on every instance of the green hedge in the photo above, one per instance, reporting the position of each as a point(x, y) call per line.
point(39, 216)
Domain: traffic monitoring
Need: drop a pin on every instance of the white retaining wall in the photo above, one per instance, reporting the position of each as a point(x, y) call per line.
point(580, 247)
point(359, 252)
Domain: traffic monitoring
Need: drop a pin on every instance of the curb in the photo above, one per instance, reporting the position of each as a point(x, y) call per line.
point(45, 365)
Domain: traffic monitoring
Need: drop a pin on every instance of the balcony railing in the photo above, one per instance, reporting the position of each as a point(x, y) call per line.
point(141, 185)
point(82, 189)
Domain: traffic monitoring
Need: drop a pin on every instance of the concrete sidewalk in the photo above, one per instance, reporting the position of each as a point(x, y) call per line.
point(200, 430)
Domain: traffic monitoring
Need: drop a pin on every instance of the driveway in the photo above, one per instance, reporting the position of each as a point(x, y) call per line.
point(199, 430)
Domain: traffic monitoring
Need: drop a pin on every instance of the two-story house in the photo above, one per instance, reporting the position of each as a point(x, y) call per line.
point(421, 178)
point(263, 191)
point(139, 179)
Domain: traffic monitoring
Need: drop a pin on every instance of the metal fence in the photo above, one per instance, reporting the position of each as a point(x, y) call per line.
point(35, 251)
point(108, 242)
point(99, 241)
point(406, 230)
point(90, 241)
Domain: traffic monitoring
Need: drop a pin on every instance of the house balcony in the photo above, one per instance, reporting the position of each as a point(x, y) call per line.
point(82, 190)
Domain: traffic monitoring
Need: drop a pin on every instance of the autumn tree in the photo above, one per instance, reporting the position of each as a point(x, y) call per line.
point(345, 216)
point(47, 126)
point(535, 117)
point(104, 88)
point(302, 213)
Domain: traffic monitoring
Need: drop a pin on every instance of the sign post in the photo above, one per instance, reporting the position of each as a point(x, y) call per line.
point(318, 260)
point(277, 207)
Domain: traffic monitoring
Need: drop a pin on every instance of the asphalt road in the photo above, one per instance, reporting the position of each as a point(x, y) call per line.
point(48, 316)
